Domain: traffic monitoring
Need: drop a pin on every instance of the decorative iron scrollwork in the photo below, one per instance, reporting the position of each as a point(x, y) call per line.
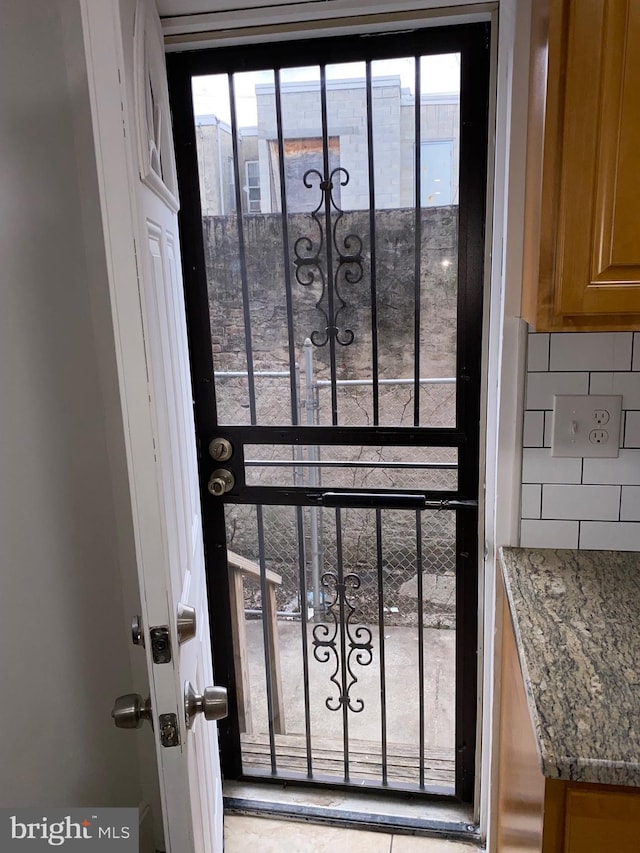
point(355, 640)
point(308, 259)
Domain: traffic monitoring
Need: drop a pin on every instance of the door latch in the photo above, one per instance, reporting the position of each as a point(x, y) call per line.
point(169, 731)
point(137, 634)
point(160, 644)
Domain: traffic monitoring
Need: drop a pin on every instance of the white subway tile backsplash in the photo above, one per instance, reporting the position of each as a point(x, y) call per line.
point(574, 502)
point(627, 384)
point(531, 500)
point(631, 430)
point(542, 387)
point(610, 535)
point(548, 534)
point(630, 503)
point(538, 352)
point(581, 502)
point(623, 470)
point(591, 351)
point(538, 466)
point(533, 432)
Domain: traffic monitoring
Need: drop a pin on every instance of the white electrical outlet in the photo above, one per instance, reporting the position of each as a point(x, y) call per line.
point(586, 425)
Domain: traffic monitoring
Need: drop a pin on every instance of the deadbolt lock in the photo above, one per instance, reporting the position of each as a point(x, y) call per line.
point(221, 481)
point(187, 625)
point(220, 449)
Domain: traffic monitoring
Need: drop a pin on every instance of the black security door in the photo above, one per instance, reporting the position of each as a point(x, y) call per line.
point(333, 200)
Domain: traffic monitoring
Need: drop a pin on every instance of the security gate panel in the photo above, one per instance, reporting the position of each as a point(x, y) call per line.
point(333, 205)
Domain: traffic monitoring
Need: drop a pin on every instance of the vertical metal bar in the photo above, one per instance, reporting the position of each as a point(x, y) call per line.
point(302, 586)
point(302, 581)
point(252, 410)
point(329, 245)
point(313, 480)
point(474, 114)
point(340, 588)
point(383, 675)
point(298, 477)
point(417, 246)
point(372, 249)
point(265, 637)
point(420, 643)
point(286, 253)
point(246, 311)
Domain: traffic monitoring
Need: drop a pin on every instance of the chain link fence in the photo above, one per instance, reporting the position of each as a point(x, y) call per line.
point(296, 539)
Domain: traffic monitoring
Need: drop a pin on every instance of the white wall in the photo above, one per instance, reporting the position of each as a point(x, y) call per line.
point(65, 542)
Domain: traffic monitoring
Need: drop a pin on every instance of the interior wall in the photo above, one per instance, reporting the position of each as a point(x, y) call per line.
point(62, 612)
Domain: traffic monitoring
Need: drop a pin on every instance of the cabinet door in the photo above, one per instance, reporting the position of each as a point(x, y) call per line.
point(602, 822)
point(582, 251)
point(599, 253)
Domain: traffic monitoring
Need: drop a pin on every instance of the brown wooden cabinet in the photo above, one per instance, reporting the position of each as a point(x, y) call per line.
point(550, 815)
point(582, 239)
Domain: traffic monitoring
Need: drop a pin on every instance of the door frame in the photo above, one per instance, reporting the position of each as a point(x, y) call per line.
point(472, 41)
point(504, 365)
point(504, 332)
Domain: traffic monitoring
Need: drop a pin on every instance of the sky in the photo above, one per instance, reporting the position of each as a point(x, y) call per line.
point(210, 94)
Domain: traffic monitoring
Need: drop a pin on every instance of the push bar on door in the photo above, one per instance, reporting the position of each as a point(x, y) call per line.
point(381, 500)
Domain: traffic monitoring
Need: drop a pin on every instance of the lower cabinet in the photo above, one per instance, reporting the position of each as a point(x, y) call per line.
point(549, 815)
point(597, 819)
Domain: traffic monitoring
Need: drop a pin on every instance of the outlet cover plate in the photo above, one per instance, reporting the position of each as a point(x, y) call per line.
point(586, 425)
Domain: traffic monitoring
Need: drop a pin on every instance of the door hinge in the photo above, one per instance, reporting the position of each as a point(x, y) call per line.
point(160, 644)
point(169, 731)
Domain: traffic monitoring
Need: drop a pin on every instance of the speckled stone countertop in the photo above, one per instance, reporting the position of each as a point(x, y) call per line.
point(576, 616)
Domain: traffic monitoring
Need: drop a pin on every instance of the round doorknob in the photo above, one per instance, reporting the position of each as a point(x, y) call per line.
point(130, 711)
point(221, 481)
point(212, 704)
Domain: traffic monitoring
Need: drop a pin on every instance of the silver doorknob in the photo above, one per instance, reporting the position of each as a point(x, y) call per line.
point(130, 711)
point(221, 481)
point(212, 704)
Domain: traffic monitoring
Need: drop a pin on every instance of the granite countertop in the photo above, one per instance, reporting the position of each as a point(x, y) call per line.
point(576, 617)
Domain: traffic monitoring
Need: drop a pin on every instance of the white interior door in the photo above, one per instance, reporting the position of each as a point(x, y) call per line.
point(127, 82)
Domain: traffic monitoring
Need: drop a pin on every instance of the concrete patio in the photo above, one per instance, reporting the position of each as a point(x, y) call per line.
point(364, 727)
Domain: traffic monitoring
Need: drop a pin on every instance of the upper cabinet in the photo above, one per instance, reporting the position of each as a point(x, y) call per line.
point(582, 239)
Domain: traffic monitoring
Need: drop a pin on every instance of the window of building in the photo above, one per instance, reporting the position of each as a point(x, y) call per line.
point(436, 168)
point(252, 186)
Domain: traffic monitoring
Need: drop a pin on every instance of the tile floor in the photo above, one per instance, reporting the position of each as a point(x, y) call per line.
point(264, 835)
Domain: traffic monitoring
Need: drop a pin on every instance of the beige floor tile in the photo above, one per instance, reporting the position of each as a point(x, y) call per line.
point(412, 844)
point(263, 835)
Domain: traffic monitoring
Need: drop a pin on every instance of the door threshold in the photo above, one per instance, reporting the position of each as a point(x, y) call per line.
point(448, 821)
